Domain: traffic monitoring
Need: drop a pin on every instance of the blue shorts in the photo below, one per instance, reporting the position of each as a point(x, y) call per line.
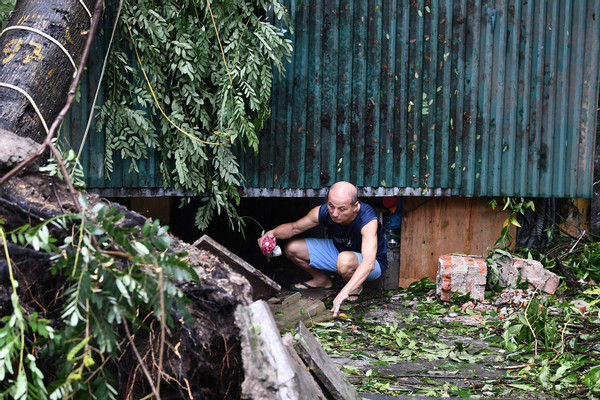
point(323, 255)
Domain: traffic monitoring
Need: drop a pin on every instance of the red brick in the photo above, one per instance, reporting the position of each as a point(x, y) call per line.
point(462, 274)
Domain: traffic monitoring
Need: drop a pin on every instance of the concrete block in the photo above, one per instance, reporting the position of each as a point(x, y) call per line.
point(507, 272)
point(462, 274)
point(537, 276)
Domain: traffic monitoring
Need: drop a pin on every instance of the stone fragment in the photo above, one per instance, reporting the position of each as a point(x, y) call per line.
point(14, 149)
point(531, 271)
point(581, 305)
point(537, 276)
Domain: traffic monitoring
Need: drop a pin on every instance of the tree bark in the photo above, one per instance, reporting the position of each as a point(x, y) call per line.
point(37, 65)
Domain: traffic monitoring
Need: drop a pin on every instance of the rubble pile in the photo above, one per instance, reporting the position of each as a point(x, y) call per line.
point(499, 307)
point(464, 275)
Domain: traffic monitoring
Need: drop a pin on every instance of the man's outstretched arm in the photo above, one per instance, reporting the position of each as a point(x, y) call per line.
point(369, 255)
point(290, 229)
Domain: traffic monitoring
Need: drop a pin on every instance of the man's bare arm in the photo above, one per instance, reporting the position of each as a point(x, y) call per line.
point(290, 229)
point(369, 255)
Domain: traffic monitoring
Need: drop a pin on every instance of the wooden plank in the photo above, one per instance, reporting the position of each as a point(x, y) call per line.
point(435, 226)
point(287, 311)
point(308, 381)
point(270, 372)
point(326, 371)
point(262, 285)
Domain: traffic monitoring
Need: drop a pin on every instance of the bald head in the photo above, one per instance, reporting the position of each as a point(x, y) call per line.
point(344, 190)
point(342, 202)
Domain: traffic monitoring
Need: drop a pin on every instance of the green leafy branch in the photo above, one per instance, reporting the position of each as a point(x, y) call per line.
point(513, 207)
point(28, 382)
point(115, 275)
point(181, 55)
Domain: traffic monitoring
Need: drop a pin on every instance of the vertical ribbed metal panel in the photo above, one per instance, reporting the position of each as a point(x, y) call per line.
point(445, 97)
point(474, 98)
point(93, 152)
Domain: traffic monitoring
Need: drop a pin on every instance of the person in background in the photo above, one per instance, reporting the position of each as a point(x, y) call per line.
point(356, 249)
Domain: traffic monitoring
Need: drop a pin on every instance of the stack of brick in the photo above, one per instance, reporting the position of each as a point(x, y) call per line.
point(462, 274)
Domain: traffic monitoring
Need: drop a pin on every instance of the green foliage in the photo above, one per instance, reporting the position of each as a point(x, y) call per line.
point(27, 381)
point(582, 260)
point(493, 259)
point(69, 158)
point(181, 55)
point(531, 327)
point(115, 275)
point(419, 342)
point(557, 348)
point(512, 206)
point(421, 286)
point(6, 6)
point(552, 340)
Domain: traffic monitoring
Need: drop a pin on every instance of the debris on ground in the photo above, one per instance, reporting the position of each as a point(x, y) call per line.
point(408, 342)
point(463, 274)
point(285, 368)
point(290, 309)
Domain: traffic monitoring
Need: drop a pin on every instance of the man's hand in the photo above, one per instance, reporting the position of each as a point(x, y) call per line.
point(343, 295)
point(267, 234)
point(337, 302)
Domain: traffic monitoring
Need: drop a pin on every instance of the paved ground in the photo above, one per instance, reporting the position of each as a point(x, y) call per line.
point(413, 344)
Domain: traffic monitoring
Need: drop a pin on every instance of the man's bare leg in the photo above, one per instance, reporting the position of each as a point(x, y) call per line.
point(297, 252)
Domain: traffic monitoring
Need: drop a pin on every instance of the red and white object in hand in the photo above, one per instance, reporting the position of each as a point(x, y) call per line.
point(269, 247)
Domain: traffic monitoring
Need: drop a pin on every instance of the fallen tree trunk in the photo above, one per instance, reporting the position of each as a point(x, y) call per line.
point(41, 49)
point(201, 360)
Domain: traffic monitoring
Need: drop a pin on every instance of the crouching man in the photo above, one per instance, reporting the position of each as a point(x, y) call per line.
point(356, 249)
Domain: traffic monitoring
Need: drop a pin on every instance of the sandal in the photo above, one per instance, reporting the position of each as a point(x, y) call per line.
point(302, 286)
point(354, 298)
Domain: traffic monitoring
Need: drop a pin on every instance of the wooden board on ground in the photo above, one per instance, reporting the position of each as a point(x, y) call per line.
point(263, 287)
point(308, 381)
point(270, 371)
point(288, 310)
point(322, 366)
point(435, 226)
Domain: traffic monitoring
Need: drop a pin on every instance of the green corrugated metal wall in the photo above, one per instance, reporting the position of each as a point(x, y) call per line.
point(121, 182)
point(473, 98)
point(432, 97)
